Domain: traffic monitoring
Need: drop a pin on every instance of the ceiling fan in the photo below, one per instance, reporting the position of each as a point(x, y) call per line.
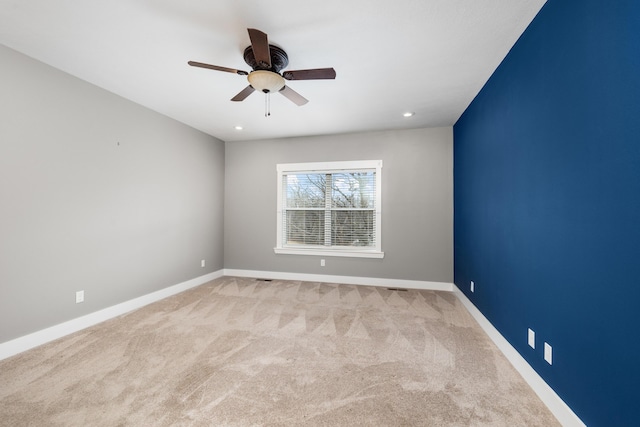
point(267, 61)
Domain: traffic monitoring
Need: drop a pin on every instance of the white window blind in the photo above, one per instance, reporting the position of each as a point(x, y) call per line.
point(330, 208)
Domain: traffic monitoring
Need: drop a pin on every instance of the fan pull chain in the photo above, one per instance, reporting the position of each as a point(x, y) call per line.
point(267, 104)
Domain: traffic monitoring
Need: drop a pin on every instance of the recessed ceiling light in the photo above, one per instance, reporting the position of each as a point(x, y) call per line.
point(408, 114)
point(238, 128)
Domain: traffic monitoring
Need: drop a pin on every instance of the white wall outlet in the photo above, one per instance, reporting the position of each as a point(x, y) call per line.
point(202, 263)
point(548, 353)
point(79, 297)
point(532, 339)
point(322, 263)
point(473, 286)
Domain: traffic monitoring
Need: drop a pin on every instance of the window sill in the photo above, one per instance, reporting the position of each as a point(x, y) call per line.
point(330, 252)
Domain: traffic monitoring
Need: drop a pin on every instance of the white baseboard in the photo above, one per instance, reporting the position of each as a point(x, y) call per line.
point(556, 405)
point(26, 342)
point(347, 280)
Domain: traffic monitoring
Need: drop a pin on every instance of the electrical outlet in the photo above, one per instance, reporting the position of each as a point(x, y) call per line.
point(322, 263)
point(202, 263)
point(532, 339)
point(79, 297)
point(548, 353)
point(473, 286)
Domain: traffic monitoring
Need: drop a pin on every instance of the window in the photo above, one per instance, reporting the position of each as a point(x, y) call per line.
point(329, 209)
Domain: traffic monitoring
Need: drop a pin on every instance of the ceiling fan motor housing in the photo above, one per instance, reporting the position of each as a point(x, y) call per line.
point(279, 59)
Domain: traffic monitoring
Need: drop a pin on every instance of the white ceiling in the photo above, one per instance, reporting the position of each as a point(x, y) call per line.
point(430, 57)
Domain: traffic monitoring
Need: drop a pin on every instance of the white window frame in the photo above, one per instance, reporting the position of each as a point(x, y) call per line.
point(330, 167)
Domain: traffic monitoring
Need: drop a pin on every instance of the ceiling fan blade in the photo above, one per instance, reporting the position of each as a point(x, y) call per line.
point(293, 96)
point(215, 67)
point(313, 74)
point(244, 93)
point(260, 46)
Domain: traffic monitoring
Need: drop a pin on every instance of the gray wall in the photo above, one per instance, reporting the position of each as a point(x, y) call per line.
point(97, 194)
point(417, 203)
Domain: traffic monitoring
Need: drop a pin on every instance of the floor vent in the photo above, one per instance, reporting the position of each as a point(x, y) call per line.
point(398, 289)
point(264, 280)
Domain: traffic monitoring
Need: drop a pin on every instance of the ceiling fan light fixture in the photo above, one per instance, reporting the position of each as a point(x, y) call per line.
point(266, 61)
point(266, 81)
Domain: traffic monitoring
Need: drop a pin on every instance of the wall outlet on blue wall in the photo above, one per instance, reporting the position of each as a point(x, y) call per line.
point(473, 286)
point(547, 353)
point(532, 338)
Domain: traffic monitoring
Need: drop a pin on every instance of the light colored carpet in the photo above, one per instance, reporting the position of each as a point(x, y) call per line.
point(242, 352)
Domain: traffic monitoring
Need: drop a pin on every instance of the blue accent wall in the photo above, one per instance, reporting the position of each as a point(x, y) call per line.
point(547, 203)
